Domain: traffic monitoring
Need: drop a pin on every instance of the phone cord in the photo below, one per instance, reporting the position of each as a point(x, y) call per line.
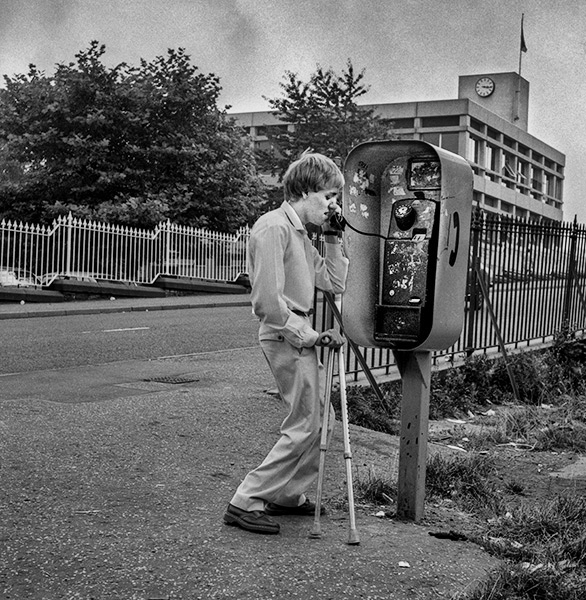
point(378, 235)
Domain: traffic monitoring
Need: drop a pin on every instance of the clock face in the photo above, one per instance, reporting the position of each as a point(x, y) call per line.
point(484, 87)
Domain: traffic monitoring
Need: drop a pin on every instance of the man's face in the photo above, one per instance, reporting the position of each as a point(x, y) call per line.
point(319, 206)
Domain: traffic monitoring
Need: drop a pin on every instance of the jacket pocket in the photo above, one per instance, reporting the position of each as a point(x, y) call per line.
point(271, 337)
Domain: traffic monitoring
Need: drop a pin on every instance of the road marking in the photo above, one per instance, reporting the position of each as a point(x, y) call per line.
point(117, 330)
point(207, 352)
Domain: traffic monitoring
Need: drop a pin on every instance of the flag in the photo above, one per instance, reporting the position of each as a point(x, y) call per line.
point(523, 44)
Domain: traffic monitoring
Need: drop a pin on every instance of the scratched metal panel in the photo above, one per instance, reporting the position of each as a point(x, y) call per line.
point(405, 278)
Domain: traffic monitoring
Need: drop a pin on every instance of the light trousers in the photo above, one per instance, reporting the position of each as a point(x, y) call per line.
point(292, 465)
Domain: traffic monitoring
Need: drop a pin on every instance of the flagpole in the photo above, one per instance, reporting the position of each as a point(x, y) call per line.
point(522, 48)
point(521, 44)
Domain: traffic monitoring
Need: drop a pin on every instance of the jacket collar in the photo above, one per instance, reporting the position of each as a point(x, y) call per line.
point(292, 216)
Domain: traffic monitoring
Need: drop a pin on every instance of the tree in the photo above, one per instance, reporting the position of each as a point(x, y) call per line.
point(324, 115)
point(129, 145)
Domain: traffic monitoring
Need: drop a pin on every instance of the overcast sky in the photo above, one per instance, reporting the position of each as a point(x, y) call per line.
point(411, 49)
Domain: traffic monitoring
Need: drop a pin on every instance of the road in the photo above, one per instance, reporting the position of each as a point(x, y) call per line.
point(28, 345)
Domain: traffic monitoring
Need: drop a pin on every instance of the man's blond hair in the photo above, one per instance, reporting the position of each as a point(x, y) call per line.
point(311, 172)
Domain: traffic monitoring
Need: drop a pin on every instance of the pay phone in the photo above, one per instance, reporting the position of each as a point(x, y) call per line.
point(408, 207)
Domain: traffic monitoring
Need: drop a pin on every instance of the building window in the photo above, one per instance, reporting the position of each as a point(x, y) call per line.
point(508, 166)
point(490, 201)
point(265, 130)
point(489, 157)
point(400, 123)
point(506, 207)
point(431, 138)
point(493, 133)
point(523, 175)
point(557, 188)
point(474, 150)
point(448, 121)
point(449, 141)
point(490, 153)
point(549, 184)
point(476, 125)
point(536, 179)
point(537, 157)
point(264, 145)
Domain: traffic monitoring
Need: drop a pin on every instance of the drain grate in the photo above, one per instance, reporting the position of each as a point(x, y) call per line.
point(172, 379)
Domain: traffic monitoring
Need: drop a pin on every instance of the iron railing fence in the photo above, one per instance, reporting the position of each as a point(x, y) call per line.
point(535, 287)
point(534, 274)
point(92, 250)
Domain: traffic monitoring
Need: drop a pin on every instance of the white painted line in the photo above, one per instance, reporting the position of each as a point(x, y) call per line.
point(207, 352)
point(117, 330)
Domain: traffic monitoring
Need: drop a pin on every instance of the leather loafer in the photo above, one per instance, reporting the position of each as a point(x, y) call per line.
point(256, 521)
point(307, 509)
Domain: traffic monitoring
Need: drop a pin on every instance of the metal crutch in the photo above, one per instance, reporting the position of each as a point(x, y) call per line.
point(353, 538)
point(323, 446)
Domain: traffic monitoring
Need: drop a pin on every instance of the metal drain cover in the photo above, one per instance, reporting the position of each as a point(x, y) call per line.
point(173, 379)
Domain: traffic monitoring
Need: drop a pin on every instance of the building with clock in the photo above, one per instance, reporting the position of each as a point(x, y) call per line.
point(515, 173)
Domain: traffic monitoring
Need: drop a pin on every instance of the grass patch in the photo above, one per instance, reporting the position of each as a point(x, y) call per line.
point(560, 428)
point(526, 582)
point(463, 479)
point(547, 532)
point(544, 545)
point(373, 488)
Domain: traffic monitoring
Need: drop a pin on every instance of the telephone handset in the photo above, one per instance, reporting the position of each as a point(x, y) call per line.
point(337, 222)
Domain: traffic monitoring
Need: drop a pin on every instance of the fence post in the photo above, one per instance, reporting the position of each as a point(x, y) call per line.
point(570, 275)
point(167, 247)
point(476, 230)
point(69, 244)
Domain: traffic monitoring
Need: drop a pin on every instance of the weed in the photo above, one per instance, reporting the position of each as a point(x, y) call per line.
point(567, 361)
point(563, 428)
point(366, 410)
point(488, 436)
point(526, 368)
point(545, 548)
point(515, 487)
point(530, 582)
point(452, 393)
point(535, 428)
point(374, 488)
point(464, 479)
point(547, 531)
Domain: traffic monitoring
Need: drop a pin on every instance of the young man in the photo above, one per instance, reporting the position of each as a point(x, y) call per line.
point(285, 269)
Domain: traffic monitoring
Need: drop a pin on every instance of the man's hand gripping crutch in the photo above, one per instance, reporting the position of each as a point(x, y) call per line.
point(334, 342)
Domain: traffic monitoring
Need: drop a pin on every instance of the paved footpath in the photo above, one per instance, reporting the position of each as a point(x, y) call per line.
point(41, 309)
point(121, 495)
